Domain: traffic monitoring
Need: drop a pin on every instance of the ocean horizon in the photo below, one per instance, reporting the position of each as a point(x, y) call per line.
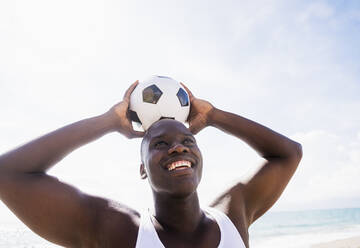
point(286, 229)
point(302, 229)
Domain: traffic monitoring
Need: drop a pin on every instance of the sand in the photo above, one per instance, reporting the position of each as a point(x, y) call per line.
point(342, 243)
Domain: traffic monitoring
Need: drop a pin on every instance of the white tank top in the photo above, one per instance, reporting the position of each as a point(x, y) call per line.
point(229, 235)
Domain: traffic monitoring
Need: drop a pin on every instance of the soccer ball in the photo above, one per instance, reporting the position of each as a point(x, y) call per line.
point(157, 98)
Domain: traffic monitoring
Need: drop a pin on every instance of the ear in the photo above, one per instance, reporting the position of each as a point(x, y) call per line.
point(143, 174)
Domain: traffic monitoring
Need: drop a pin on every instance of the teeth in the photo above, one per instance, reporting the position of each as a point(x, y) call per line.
point(177, 164)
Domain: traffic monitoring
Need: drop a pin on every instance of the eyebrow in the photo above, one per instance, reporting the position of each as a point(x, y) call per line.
point(159, 136)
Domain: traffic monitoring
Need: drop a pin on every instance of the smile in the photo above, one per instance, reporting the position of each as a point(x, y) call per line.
point(179, 165)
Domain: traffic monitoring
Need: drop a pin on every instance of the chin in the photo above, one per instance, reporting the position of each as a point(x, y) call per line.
point(177, 191)
point(183, 191)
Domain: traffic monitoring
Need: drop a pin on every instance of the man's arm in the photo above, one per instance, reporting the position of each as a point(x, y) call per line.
point(253, 198)
point(282, 157)
point(55, 210)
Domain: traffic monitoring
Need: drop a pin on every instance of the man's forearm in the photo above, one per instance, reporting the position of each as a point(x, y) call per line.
point(40, 154)
point(268, 143)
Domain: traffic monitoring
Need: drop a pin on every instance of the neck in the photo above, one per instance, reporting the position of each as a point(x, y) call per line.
point(178, 214)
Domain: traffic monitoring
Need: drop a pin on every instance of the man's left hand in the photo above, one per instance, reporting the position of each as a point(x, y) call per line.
point(200, 110)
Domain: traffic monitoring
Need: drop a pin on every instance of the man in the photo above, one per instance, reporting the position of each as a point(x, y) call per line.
point(172, 163)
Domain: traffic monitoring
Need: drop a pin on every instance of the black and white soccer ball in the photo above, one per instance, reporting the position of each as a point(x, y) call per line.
point(156, 98)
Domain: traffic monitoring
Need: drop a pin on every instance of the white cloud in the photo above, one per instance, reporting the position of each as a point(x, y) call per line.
point(328, 172)
point(319, 9)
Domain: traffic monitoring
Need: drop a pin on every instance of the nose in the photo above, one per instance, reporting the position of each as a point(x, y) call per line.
point(178, 148)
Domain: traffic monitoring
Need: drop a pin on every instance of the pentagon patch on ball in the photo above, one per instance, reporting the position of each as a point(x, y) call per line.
point(157, 98)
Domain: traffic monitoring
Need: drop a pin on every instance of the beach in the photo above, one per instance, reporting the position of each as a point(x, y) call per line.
point(353, 242)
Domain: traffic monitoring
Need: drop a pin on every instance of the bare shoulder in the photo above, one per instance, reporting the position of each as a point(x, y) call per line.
point(231, 202)
point(63, 214)
point(116, 224)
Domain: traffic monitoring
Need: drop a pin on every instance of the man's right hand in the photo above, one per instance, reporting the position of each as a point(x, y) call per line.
point(119, 114)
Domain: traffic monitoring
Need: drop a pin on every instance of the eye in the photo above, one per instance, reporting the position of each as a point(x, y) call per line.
point(160, 144)
point(189, 141)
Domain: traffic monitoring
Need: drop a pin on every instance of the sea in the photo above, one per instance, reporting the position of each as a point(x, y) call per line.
point(293, 229)
point(302, 229)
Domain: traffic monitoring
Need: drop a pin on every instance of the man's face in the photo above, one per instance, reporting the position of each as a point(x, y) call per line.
point(171, 158)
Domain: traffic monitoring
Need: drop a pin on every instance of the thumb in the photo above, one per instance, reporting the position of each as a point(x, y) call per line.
point(137, 134)
point(195, 129)
point(195, 126)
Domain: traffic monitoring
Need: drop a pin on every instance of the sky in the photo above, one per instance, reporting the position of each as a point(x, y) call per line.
point(293, 66)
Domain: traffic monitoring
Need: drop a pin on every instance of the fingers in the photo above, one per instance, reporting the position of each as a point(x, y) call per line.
point(130, 90)
point(188, 91)
point(130, 133)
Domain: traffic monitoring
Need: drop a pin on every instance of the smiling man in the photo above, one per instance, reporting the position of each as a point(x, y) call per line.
point(172, 163)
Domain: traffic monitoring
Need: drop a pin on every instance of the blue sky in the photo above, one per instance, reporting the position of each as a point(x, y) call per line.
point(292, 66)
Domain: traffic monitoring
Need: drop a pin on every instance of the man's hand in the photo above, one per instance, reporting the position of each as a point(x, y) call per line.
point(120, 115)
point(200, 111)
